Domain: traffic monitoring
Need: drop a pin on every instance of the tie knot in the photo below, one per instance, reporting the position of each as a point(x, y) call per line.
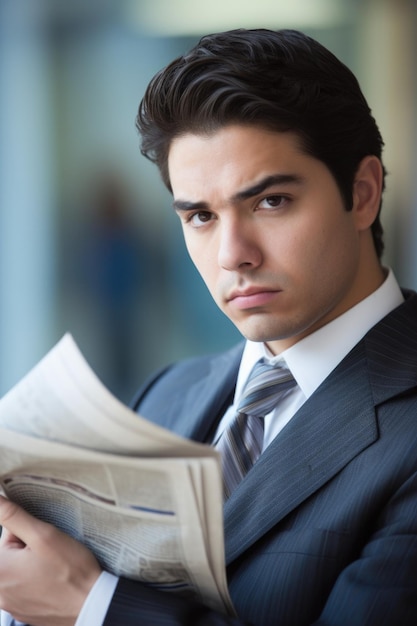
point(266, 385)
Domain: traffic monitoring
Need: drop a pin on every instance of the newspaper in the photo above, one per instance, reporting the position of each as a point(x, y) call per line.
point(147, 502)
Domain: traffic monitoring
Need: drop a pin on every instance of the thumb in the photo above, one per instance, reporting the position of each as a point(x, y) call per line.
point(16, 520)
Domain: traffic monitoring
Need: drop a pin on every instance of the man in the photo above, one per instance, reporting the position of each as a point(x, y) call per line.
point(274, 162)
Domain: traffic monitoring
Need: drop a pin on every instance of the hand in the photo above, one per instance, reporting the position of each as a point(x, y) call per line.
point(45, 575)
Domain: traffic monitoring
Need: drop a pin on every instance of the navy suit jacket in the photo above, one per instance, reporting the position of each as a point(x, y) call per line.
point(323, 529)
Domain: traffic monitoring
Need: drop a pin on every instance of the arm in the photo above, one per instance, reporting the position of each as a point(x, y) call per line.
point(135, 604)
point(380, 586)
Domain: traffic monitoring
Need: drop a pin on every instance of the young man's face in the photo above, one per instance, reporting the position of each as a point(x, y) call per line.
point(266, 227)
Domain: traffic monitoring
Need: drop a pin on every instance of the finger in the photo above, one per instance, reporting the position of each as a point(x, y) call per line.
point(9, 540)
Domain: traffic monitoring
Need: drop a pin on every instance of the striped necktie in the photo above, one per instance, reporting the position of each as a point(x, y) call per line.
point(241, 443)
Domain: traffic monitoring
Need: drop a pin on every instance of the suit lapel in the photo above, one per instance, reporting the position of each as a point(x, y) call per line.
point(331, 428)
point(208, 398)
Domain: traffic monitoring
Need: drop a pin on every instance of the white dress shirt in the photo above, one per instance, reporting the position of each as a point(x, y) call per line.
point(313, 358)
point(310, 361)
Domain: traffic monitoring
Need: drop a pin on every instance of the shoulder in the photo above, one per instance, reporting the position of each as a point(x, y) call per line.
point(397, 331)
point(178, 376)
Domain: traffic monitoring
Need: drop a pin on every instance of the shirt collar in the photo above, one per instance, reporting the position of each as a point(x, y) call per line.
point(312, 359)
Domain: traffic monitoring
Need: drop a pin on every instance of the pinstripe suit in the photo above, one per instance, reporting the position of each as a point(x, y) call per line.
point(323, 530)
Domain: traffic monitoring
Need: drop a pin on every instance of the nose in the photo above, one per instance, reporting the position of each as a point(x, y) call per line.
point(238, 246)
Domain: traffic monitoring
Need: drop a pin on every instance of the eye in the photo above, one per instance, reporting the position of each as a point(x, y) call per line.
point(273, 202)
point(199, 218)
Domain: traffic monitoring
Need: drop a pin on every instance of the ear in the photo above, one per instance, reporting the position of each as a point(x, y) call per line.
point(367, 191)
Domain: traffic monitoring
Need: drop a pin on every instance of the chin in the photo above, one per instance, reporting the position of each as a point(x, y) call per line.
point(264, 332)
point(262, 335)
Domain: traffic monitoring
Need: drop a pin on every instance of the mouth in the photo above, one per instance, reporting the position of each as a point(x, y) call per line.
point(252, 298)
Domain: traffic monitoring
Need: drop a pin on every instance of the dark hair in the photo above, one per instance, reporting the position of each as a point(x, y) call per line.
point(280, 80)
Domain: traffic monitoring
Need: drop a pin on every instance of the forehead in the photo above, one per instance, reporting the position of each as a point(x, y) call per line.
point(233, 156)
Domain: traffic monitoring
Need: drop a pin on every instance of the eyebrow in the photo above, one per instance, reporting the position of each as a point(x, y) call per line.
point(265, 183)
point(244, 194)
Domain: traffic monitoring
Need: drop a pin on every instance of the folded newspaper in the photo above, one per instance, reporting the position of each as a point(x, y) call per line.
point(147, 502)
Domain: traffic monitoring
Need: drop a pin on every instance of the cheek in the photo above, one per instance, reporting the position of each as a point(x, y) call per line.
point(315, 251)
point(332, 255)
point(297, 249)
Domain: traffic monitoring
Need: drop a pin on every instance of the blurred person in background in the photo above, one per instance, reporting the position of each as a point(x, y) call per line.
point(112, 270)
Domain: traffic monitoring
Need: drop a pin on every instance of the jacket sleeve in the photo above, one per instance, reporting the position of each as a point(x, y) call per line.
point(136, 605)
point(379, 588)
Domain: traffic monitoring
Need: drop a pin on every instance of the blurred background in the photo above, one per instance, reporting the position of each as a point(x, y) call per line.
point(88, 241)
